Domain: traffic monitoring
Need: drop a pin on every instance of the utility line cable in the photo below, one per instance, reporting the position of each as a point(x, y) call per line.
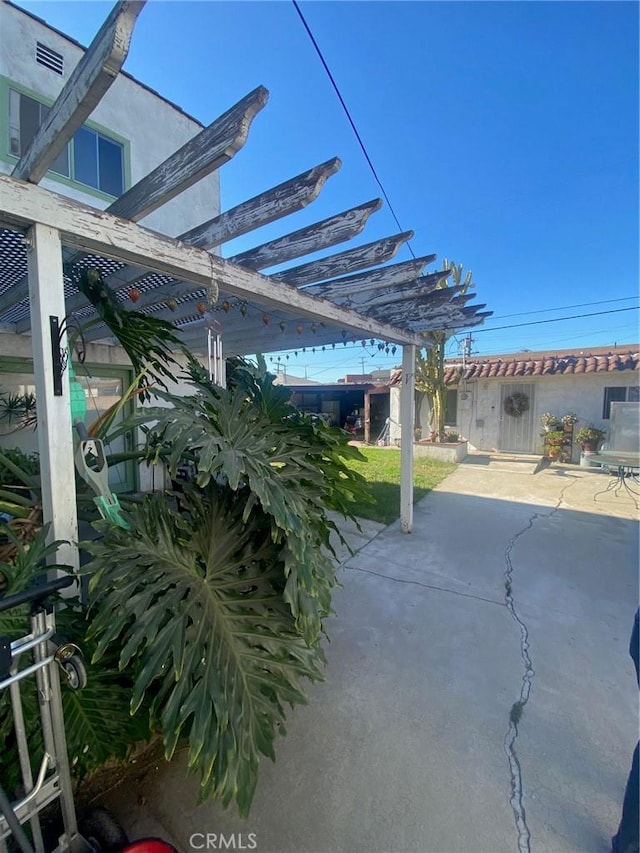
point(351, 121)
point(564, 307)
point(555, 320)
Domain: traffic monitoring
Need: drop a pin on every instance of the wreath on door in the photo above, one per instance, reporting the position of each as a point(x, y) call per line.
point(516, 405)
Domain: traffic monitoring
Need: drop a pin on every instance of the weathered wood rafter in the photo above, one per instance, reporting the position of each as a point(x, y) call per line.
point(286, 198)
point(273, 204)
point(380, 277)
point(374, 297)
point(98, 232)
point(332, 230)
point(406, 309)
point(359, 258)
point(321, 235)
point(90, 79)
point(200, 156)
point(452, 320)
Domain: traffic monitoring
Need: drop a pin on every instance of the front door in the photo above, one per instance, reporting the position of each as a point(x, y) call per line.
point(517, 431)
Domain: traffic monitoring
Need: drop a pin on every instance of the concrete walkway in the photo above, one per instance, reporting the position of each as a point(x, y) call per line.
point(513, 598)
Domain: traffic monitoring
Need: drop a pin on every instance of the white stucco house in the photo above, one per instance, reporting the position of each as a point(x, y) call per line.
point(131, 131)
point(584, 382)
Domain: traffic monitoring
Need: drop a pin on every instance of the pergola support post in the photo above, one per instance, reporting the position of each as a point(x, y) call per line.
point(407, 417)
point(55, 439)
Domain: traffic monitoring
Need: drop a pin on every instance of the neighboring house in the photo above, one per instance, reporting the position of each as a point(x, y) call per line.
point(560, 381)
point(131, 131)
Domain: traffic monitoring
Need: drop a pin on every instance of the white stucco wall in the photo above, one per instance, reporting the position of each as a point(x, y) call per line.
point(154, 127)
point(479, 413)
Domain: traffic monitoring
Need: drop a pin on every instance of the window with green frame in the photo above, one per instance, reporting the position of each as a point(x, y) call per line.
point(103, 386)
point(91, 157)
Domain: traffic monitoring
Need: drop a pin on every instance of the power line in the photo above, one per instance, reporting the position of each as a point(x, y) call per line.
point(351, 121)
point(556, 320)
point(565, 307)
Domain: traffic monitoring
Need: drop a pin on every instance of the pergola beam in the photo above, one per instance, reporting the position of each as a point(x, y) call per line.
point(408, 309)
point(98, 232)
point(321, 235)
point(362, 282)
point(359, 258)
point(388, 295)
point(273, 204)
point(91, 78)
point(200, 156)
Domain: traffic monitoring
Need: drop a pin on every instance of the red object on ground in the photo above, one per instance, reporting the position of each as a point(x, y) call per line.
point(150, 845)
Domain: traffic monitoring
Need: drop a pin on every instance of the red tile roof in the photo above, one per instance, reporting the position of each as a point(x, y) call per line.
point(597, 360)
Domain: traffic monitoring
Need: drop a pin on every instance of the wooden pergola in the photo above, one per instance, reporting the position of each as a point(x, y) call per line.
point(347, 295)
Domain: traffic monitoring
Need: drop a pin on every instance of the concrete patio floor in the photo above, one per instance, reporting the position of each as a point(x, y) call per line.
point(406, 745)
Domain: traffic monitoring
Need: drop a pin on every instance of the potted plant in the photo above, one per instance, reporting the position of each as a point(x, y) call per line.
point(555, 441)
point(589, 437)
point(549, 422)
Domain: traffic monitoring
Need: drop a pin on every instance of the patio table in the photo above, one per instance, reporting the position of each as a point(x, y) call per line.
point(626, 464)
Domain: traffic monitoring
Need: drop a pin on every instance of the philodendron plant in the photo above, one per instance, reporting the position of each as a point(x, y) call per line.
point(217, 594)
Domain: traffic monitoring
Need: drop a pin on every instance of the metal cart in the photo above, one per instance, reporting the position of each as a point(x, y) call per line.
point(40, 655)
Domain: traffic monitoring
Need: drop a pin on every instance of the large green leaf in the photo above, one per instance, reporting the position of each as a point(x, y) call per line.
point(294, 471)
point(194, 599)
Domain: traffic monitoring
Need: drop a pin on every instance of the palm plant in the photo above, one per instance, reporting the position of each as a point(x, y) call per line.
point(430, 366)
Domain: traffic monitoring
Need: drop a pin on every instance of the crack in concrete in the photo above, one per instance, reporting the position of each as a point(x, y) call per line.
point(425, 585)
point(515, 714)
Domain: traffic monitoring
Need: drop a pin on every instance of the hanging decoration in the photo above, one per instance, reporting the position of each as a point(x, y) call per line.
point(201, 307)
point(282, 325)
point(516, 404)
point(134, 294)
point(217, 367)
point(266, 319)
point(171, 304)
point(226, 305)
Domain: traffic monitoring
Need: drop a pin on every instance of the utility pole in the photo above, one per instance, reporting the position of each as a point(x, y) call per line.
point(362, 360)
point(466, 348)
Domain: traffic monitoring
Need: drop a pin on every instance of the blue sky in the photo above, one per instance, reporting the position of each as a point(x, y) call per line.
point(505, 135)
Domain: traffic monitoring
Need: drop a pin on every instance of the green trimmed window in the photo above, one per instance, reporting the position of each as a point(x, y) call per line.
point(90, 158)
point(103, 386)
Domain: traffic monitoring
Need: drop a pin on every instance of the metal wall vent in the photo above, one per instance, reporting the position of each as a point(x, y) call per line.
point(51, 59)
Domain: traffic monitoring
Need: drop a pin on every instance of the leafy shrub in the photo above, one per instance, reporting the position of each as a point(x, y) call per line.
point(218, 593)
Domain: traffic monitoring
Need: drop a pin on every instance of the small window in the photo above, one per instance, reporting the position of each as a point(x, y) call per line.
point(50, 58)
point(90, 158)
point(451, 408)
point(612, 395)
